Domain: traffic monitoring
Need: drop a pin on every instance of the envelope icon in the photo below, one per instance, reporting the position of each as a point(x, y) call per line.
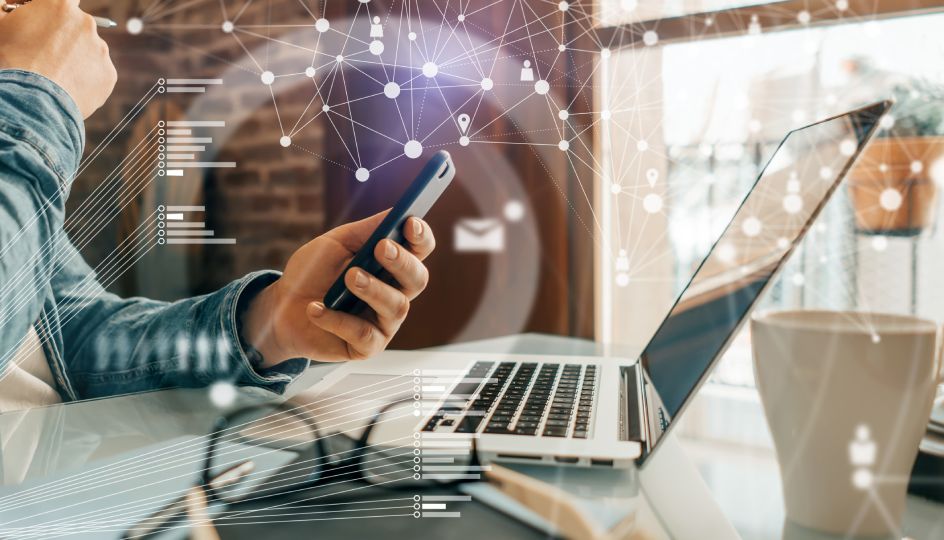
point(479, 235)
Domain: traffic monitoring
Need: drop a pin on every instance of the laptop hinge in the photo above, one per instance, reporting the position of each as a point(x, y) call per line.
point(632, 427)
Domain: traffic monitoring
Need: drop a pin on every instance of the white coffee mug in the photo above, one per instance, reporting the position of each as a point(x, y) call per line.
point(847, 397)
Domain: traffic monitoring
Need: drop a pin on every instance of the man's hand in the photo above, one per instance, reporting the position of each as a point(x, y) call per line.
point(289, 320)
point(56, 39)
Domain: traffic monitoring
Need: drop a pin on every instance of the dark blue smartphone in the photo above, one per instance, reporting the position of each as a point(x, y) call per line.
point(425, 190)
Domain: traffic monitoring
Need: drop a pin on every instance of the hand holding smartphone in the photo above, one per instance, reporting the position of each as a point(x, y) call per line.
point(419, 197)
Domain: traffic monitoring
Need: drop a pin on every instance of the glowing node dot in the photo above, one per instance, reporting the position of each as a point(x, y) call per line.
point(222, 394)
point(376, 47)
point(792, 203)
point(652, 203)
point(783, 243)
point(362, 174)
point(134, 26)
point(842, 5)
point(542, 87)
point(267, 77)
point(309, 71)
point(916, 166)
point(563, 146)
point(650, 37)
point(798, 279)
point(227, 27)
point(622, 279)
point(325, 108)
point(487, 84)
point(514, 210)
point(430, 69)
point(826, 173)
point(605, 53)
point(629, 5)
point(847, 147)
point(876, 338)
point(879, 243)
point(464, 141)
point(413, 149)
point(890, 199)
point(606, 114)
point(563, 114)
point(339, 58)
point(616, 189)
point(285, 141)
point(887, 121)
point(322, 25)
point(562, 47)
point(411, 36)
point(751, 226)
point(642, 145)
point(563, 6)
point(392, 90)
point(461, 17)
point(803, 17)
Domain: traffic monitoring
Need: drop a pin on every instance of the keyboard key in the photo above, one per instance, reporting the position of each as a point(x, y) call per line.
point(555, 432)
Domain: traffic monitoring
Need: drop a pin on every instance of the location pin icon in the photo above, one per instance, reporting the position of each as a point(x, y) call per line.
point(463, 120)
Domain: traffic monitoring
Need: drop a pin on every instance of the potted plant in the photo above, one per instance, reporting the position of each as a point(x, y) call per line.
point(891, 186)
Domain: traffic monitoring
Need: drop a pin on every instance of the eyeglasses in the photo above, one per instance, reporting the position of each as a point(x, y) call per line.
point(390, 452)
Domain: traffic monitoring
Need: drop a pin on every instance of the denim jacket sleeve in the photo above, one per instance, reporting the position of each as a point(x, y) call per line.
point(41, 140)
point(119, 345)
point(110, 345)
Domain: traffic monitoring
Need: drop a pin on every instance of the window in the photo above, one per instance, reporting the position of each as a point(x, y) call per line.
point(685, 129)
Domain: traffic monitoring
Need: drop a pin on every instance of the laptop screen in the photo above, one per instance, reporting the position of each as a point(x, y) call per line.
point(788, 195)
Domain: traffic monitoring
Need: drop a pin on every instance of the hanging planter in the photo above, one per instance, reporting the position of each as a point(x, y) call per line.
point(891, 186)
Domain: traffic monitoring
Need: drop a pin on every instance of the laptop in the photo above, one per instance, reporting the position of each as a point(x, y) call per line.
point(611, 412)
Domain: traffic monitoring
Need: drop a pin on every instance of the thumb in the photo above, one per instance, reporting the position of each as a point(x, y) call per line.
point(353, 235)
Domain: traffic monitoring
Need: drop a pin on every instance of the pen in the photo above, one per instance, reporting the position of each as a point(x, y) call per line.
point(100, 22)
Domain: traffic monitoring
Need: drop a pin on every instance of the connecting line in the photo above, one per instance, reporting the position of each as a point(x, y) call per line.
point(146, 503)
point(158, 459)
point(79, 238)
point(23, 296)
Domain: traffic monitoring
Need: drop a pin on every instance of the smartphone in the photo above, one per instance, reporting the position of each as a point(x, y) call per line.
point(425, 190)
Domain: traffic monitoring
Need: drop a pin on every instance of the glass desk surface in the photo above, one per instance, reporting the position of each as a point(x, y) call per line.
point(93, 468)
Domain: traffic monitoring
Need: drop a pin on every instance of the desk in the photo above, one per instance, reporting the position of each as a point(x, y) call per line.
point(91, 469)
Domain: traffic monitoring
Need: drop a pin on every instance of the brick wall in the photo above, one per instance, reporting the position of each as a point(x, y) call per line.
point(272, 202)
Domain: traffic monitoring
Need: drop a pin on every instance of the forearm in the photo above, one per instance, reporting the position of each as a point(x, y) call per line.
point(116, 346)
point(41, 139)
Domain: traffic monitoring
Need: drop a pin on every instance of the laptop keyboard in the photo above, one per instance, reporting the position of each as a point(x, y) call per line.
point(524, 398)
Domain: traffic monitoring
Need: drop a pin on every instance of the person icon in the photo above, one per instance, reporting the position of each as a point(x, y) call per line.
point(622, 261)
point(376, 30)
point(862, 449)
point(527, 74)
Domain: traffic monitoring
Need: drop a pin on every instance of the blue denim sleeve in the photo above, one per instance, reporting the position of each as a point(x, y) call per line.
point(41, 140)
point(120, 345)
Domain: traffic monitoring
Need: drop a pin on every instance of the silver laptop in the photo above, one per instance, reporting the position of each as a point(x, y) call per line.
point(593, 411)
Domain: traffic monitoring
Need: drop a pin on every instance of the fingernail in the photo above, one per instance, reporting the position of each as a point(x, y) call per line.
point(360, 279)
point(316, 309)
point(417, 227)
point(390, 251)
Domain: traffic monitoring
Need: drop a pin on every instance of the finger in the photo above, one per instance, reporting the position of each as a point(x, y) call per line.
point(363, 338)
point(405, 267)
point(390, 305)
point(353, 235)
point(420, 236)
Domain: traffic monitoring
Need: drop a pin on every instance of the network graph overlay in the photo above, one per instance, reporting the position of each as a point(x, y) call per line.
point(394, 80)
